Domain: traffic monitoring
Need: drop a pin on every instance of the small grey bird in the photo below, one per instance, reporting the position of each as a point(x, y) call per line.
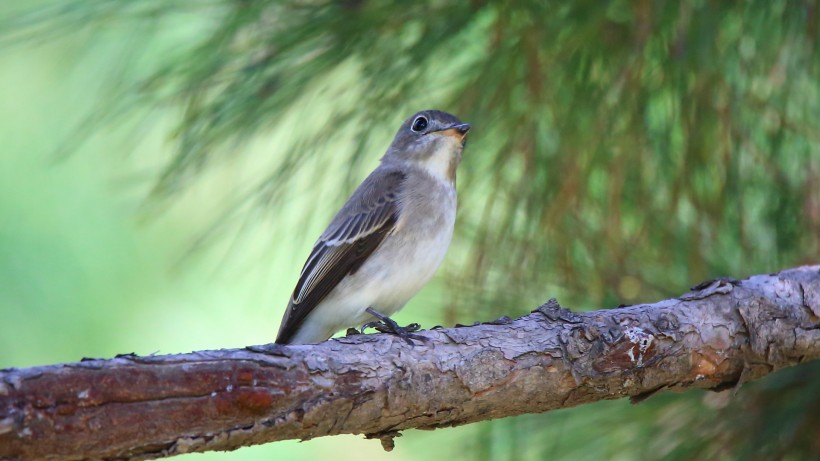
point(386, 242)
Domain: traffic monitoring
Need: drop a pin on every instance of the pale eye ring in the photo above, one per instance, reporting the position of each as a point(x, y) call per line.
point(419, 124)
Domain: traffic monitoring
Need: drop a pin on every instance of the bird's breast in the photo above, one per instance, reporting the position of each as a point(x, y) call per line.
point(409, 257)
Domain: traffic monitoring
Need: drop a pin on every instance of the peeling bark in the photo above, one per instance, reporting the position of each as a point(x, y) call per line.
point(717, 336)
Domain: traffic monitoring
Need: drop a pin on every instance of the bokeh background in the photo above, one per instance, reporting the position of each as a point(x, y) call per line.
point(166, 164)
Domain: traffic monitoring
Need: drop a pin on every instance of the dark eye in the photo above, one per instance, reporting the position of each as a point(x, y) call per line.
point(419, 124)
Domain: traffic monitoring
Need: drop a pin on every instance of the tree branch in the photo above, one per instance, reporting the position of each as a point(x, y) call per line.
point(717, 336)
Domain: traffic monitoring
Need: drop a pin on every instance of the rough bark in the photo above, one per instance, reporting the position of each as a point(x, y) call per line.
point(720, 334)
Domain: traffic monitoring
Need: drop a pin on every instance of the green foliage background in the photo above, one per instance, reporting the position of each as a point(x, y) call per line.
point(167, 163)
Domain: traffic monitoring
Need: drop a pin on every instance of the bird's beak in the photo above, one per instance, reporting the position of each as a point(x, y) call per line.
point(458, 131)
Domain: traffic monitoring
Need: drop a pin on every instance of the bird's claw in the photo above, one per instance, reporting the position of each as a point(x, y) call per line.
point(405, 333)
point(383, 327)
point(387, 328)
point(388, 325)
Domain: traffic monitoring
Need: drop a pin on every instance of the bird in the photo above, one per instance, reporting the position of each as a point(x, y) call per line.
point(386, 241)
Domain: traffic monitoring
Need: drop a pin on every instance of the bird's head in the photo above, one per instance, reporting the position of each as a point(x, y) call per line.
point(432, 139)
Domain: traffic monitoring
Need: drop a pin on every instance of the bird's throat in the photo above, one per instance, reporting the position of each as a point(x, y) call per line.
point(443, 161)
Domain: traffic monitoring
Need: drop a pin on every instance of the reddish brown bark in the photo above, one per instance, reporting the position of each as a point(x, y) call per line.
point(717, 336)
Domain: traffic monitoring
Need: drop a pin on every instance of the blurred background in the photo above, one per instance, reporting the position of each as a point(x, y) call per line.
point(166, 165)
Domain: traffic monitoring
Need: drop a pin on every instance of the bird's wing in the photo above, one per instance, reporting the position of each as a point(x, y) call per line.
point(356, 231)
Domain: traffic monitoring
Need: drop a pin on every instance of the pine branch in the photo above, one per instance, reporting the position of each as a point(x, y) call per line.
point(719, 335)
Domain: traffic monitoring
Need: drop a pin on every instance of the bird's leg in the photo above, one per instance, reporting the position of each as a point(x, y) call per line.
point(388, 325)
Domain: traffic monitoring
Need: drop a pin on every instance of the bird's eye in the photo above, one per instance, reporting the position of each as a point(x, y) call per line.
point(419, 124)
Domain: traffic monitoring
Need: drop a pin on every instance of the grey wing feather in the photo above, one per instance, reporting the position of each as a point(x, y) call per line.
point(355, 232)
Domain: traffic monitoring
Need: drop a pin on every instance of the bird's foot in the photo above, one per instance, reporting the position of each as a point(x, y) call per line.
point(387, 325)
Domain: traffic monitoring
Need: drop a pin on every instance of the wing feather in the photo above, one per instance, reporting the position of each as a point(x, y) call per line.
point(356, 231)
